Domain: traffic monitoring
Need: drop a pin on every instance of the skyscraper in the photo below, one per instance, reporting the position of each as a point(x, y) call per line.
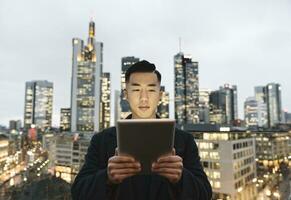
point(126, 62)
point(105, 102)
point(204, 105)
point(262, 106)
point(274, 105)
point(163, 107)
point(251, 112)
point(65, 121)
point(38, 104)
point(186, 90)
point(86, 83)
point(224, 103)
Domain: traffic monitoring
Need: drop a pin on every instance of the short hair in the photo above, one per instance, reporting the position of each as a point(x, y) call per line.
point(142, 66)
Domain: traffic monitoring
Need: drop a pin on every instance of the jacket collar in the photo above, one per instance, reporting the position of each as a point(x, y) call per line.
point(130, 116)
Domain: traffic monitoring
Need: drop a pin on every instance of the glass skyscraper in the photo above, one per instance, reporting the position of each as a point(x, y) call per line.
point(224, 103)
point(186, 90)
point(65, 120)
point(38, 104)
point(105, 101)
point(274, 103)
point(86, 83)
point(163, 107)
point(269, 97)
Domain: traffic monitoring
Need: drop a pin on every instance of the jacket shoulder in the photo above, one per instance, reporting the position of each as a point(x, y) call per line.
point(104, 133)
point(180, 134)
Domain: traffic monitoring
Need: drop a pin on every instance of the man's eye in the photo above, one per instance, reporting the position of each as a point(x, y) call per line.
point(135, 90)
point(152, 90)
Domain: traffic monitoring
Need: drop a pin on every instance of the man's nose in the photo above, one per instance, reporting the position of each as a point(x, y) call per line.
point(144, 95)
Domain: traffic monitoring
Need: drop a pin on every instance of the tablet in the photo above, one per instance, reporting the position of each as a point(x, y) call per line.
point(145, 139)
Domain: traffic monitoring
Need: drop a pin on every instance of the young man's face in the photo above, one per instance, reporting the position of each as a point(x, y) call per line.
point(143, 94)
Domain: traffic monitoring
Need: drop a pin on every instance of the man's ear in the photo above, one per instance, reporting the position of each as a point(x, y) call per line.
point(125, 93)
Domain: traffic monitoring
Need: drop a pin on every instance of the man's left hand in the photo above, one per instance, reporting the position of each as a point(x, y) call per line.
point(169, 166)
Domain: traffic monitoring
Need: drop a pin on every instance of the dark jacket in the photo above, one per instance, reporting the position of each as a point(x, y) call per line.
point(92, 180)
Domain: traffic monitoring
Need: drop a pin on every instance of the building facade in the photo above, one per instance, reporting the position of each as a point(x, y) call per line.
point(86, 83)
point(65, 121)
point(105, 101)
point(228, 159)
point(38, 104)
point(251, 112)
point(186, 90)
point(223, 104)
point(163, 107)
point(274, 103)
point(204, 106)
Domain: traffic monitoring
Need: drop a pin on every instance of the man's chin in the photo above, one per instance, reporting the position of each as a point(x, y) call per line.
point(144, 116)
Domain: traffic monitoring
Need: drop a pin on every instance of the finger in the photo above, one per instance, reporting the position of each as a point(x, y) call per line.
point(173, 151)
point(177, 165)
point(170, 159)
point(121, 159)
point(124, 171)
point(167, 170)
point(113, 165)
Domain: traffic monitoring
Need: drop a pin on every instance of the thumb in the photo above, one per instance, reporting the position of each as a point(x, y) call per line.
point(116, 151)
point(173, 151)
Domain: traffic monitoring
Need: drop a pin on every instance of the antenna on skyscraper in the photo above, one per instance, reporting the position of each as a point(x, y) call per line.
point(180, 41)
point(91, 16)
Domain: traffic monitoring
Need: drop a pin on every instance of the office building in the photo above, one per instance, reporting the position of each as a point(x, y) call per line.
point(186, 90)
point(274, 103)
point(105, 101)
point(228, 159)
point(204, 106)
point(86, 83)
point(163, 107)
point(65, 121)
point(224, 103)
point(251, 112)
point(38, 104)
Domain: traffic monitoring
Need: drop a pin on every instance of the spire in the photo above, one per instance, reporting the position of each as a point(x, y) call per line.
point(180, 41)
point(91, 29)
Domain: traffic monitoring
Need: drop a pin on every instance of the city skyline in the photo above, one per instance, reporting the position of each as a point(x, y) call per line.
point(37, 46)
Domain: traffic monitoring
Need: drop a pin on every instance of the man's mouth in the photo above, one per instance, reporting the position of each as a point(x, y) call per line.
point(143, 108)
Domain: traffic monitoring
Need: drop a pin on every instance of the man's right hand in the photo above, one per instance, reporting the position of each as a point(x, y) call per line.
point(121, 167)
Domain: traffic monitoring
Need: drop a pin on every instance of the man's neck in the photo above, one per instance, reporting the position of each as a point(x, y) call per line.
point(137, 117)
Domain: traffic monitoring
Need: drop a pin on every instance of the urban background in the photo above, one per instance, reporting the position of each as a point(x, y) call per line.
point(244, 143)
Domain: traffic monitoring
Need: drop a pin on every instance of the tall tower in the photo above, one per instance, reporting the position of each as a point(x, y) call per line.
point(86, 83)
point(38, 104)
point(163, 107)
point(105, 101)
point(274, 103)
point(223, 104)
point(204, 105)
point(251, 112)
point(126, 62)
point(262, 106)
point(186, 90)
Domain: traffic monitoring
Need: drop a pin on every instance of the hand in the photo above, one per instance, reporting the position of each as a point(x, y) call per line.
point(169, 166)
point(121, 167)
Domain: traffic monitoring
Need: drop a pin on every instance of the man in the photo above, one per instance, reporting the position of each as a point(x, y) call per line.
point(107, 175)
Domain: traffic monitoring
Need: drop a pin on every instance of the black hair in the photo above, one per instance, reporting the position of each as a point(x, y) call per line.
point(142, 66)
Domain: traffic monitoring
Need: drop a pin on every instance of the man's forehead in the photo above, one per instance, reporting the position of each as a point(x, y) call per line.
point(143, 78)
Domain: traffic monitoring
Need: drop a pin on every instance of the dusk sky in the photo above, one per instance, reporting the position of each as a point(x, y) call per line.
point(246, 43)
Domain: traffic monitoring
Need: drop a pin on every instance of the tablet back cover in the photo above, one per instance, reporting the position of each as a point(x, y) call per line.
point(145, 140)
